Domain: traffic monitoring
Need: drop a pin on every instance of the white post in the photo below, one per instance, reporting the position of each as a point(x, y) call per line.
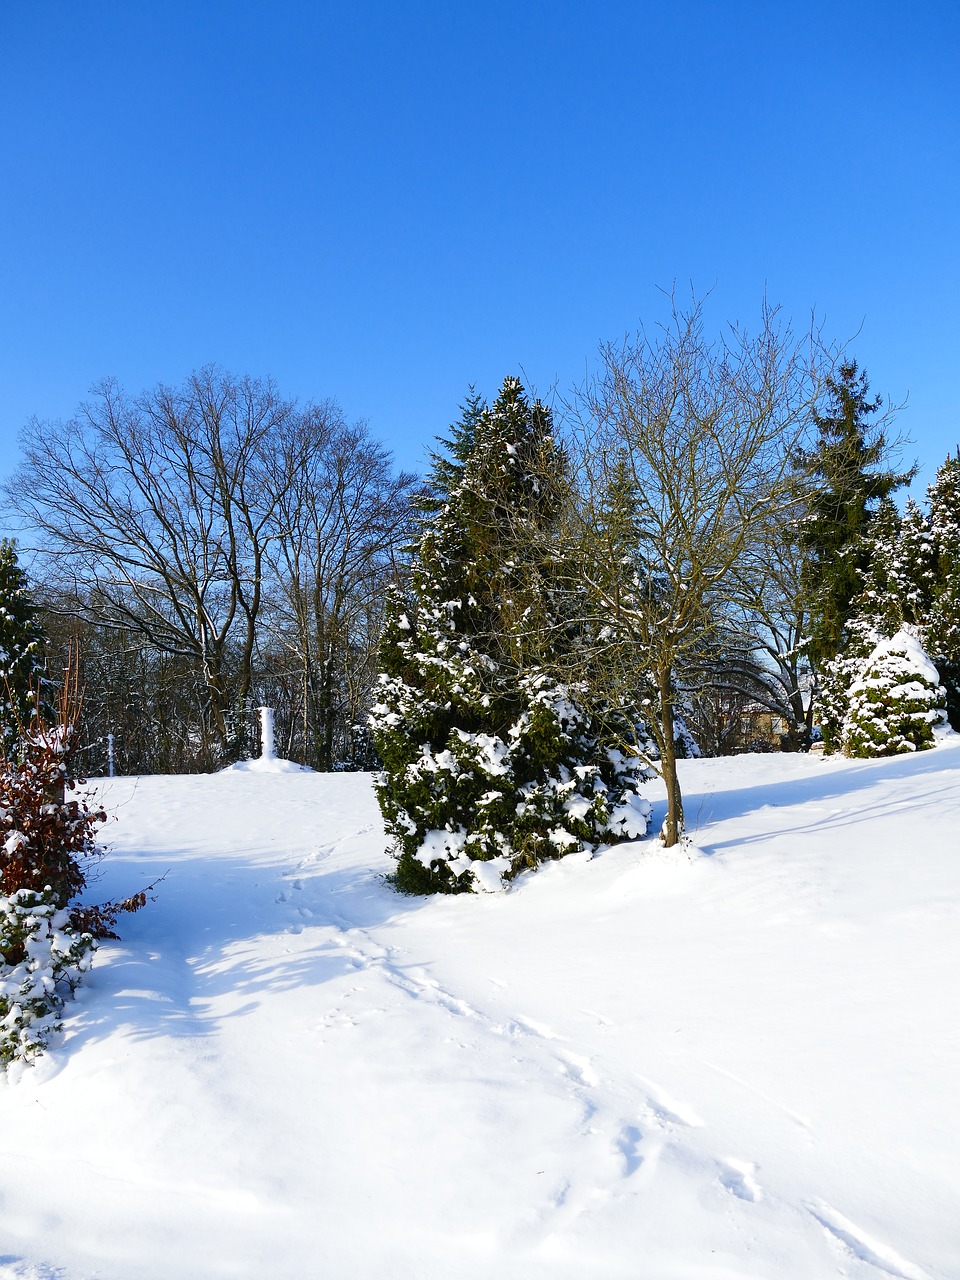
point(267, 748)
point(109, 755)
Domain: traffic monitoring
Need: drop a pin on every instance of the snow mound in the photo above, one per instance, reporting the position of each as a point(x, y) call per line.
point(269, 765)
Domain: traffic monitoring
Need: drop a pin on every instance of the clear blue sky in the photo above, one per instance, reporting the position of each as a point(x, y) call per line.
point(383, 203)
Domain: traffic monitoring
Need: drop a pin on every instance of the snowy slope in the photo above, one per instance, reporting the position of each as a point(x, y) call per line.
point(732, 1062)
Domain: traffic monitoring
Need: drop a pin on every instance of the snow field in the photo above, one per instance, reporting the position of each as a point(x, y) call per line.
point(733, 1060)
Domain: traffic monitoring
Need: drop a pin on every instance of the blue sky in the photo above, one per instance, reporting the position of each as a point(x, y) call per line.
point(383, 203)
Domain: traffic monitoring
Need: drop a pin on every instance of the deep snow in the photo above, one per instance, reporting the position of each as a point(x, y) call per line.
point(737, 1060)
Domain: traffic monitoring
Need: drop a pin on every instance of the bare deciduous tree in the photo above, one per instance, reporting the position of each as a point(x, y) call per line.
point(685, 447)
point(341, 523)
point(153, 514)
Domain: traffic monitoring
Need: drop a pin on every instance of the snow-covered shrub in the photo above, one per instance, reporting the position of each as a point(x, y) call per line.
point(43, 956)
point(480, 806)
point(895, 703)
point(47, 845)
point(46, 835)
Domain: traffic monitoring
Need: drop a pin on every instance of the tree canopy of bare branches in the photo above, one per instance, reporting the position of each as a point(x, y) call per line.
point(685, 446)
point(169, 515)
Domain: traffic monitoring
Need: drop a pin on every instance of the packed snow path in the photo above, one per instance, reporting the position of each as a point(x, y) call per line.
point(730, 1062)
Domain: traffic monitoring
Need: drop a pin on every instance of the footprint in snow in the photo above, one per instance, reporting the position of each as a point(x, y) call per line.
point(527, 1026)
point(422, 984)
point(668, 1110)
point(577, 1069)
point(738, 1178)
point(628, 1144)
point(454, 1005)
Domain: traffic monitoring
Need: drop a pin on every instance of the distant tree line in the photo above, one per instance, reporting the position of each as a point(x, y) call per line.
point(210, 548)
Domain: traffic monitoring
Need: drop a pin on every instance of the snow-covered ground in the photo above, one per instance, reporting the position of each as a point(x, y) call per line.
point(736, 1061)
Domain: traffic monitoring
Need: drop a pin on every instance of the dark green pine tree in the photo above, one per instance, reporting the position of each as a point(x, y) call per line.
point(492, 761)
point(942, 632)
point(21, 651)
point(448, 462)
point(845, 479)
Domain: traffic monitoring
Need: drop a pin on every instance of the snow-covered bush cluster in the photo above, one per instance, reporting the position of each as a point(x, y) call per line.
point(43, 954)
point(493, 761)
point(896, 702)
point(897, 672)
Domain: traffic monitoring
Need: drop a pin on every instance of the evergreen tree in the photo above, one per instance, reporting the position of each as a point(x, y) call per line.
point(898, 576)
point(845, 478)
point(914, 563)
point(896, 703)
point(838, 676)
point(942, 632)
point(21, 651)
point(896, 592)
point(448, 462)
point(879, 599)
point(492, 763)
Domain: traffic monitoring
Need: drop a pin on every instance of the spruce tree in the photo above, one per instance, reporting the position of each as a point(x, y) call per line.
point(896, 591)
point(845, 479)
point(21, 651)
point(448, 462)
point(492, 762)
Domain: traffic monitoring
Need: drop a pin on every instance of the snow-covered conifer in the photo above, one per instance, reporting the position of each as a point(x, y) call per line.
point(838, 676)
point(914, 565)
point(942, 629)
point(493, 762)
point(846, 474)
point(895, 703)
point(879, 599)
point(21, 651)
point(896, 591)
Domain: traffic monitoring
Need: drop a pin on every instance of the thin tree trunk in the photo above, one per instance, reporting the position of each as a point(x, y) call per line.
point(673, 826)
